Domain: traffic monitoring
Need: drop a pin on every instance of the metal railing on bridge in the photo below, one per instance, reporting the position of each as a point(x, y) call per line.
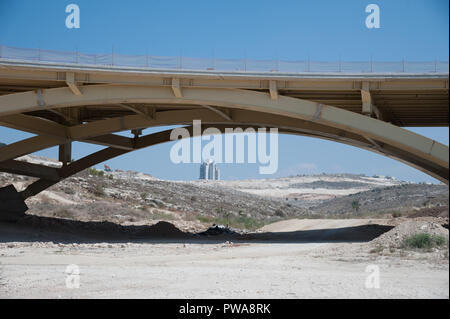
point(230, 65)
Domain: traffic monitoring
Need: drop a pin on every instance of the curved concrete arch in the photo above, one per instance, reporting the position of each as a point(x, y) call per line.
point(149, 140)
point(416, 150)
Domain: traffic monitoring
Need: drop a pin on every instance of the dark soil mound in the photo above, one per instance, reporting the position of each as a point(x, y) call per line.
point(162, 229)
point(440, 211)
point(49, 224)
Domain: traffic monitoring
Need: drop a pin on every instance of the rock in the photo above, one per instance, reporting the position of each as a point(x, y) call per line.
point(158, 202)
point(12, 205)
point(215, 230)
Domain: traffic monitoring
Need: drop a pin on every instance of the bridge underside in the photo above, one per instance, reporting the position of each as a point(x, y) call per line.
point(93, 113)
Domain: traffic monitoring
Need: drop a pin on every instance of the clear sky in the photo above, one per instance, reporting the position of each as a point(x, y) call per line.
point(290, 30)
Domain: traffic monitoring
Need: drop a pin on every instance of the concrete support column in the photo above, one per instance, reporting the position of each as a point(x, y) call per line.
point(65, 153)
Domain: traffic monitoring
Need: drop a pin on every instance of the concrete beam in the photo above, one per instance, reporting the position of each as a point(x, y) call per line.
point(27, 146)
point(65, 153)
point(368, 106)
point(367, 103)
point(29, 169)
point(34, 125)
point(112, 140)
point(176, 87)
point(273, 90)
point(250, 80)
point(70, 81)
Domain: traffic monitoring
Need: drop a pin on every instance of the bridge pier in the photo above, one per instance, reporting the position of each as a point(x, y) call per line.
point(12, 204)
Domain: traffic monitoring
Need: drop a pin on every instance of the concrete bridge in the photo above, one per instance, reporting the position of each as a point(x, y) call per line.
point(61, 102)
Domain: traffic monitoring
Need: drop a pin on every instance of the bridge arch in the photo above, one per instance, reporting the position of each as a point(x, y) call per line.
point(282, 112)
point(221, 108)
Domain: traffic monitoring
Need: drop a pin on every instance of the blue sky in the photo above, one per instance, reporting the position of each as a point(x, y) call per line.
point(291, 30)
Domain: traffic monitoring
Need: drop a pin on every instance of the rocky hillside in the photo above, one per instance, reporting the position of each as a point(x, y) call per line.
point(390, 199)
point(306, 190)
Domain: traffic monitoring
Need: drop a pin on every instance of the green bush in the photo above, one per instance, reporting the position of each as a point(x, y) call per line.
point(99, 191)
point(144, 196)
point(356, 205)
point(238, 222)
point(204, 219)
point(92, 171)
point(396, 214)
point(424, 241)
point(161, 215)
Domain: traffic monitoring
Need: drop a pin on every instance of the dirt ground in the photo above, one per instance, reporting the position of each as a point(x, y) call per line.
point(288, 259)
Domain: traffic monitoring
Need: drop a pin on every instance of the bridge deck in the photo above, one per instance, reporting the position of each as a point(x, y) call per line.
point(404, 99)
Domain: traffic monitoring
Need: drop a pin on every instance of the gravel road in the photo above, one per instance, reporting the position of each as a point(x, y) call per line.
point(212, 268)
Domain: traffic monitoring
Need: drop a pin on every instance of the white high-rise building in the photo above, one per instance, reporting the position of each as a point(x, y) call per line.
point(209, 170)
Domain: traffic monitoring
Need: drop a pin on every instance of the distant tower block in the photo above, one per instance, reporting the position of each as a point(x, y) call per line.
point(216, 173)
point(209, 170)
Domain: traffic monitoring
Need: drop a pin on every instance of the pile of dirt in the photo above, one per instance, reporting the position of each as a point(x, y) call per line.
point(394, 237)
point(69, 226)
point(162, 230)
point(439, 211)
point(100, 228)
